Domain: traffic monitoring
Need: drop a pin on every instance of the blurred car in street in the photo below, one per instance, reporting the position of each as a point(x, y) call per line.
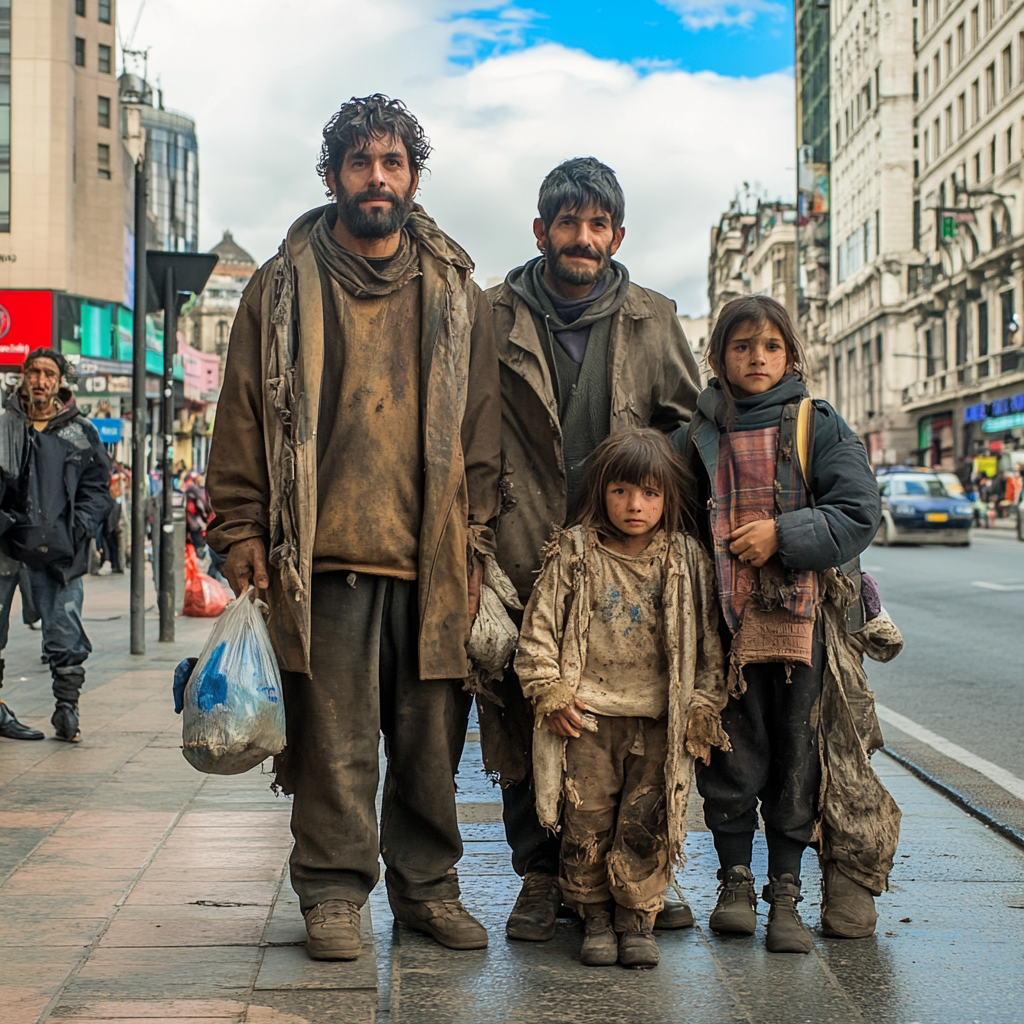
point(920, 507)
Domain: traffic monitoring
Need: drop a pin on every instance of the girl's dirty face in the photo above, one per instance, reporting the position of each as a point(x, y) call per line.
point(633, 510)
point(756, 358)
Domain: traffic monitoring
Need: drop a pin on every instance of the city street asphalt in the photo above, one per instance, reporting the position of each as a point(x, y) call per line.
point(961, 673)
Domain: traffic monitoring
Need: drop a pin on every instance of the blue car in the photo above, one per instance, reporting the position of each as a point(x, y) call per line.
point(918, 509)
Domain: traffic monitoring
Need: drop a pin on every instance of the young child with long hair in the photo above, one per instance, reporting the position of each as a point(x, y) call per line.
point(620, 654)
point(779, 541)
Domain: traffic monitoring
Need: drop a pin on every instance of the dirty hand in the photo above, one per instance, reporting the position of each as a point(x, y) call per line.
point(247, 560)
point(567, 721)
point(475, 580)
point(755, 543)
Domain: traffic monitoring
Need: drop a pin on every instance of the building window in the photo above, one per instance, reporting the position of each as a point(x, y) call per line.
point(936, 70)
point(982, 329)
point(79, 52)
point(949, 55)
point(839, 134)
point(1007, 71)
point(80, 8)
point(977, 167)
point(975, 102)
point(925, 75)
point(1009, 144)
point(104, 11)
point(990, 14)
point(936, 140)
point(103, 159)
point(949, 126)
point(926, 150)
point(974, 28)
point(5, 116)
point(992, 156)
point(961, 113)
point(104, 59)
point(103, 111)
point(990, 87)
point(1009, 327)
point(961, 42)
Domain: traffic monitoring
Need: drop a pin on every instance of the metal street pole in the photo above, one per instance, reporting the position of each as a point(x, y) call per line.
point(140, 477)
point(167, 562)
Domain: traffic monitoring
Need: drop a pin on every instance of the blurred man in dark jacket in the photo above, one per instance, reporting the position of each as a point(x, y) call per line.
point(57, 495)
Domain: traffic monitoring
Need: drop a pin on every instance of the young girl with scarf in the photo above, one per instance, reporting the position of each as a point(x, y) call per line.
point(800, 719)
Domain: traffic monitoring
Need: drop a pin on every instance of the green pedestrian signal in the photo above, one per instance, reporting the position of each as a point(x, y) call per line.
point(948, 228)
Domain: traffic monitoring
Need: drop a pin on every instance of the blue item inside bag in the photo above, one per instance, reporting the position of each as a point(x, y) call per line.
point(233, 717)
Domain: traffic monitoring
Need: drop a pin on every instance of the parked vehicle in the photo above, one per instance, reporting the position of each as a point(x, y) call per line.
point(918, 508)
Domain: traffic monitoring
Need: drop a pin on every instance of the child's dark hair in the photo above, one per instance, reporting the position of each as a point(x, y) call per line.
point(753, 309)
point(638, 457)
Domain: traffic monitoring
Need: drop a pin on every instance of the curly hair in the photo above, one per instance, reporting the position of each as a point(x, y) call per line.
point(366, 117)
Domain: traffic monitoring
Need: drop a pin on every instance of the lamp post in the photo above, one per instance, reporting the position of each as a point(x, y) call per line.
point(136, 143)
point(174, 276)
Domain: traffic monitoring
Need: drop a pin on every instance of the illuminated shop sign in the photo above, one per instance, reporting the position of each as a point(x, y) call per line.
point(1000, 408)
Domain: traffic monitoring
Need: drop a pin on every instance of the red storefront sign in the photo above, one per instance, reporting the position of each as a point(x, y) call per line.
point(26, 322)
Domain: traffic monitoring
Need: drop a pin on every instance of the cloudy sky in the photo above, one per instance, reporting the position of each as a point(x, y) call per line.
point(685, 99)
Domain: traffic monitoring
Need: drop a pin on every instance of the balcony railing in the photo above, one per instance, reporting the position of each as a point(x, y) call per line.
point(967, 377)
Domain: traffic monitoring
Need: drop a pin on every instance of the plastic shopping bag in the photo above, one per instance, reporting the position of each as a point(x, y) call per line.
point(233, 715)
point(205, 597)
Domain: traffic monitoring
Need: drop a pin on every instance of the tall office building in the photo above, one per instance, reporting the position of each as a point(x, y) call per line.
point(813, 139)
point(62, 185)
point(872, 226)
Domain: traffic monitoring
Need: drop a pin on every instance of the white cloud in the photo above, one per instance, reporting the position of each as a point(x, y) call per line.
point(261, 86)
point(698, 14)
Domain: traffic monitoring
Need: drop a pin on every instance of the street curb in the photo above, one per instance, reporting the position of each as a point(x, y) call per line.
point(1006, 831)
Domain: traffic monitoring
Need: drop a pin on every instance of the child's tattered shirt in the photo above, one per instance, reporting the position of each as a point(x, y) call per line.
point(626, 671)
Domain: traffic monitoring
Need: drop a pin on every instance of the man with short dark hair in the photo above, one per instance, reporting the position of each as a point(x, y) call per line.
point(56, 495)
point(584, 352)
point(358, 444)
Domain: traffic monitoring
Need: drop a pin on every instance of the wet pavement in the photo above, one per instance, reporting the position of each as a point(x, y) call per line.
point(136, 889)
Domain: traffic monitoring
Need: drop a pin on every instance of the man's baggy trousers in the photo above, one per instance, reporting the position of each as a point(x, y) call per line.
point(365, 680)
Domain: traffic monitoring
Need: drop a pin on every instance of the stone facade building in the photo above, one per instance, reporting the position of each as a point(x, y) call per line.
point(967, 398)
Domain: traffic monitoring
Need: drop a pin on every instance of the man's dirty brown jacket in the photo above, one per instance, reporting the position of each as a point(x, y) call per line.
point(262, 475)
point(653, 381)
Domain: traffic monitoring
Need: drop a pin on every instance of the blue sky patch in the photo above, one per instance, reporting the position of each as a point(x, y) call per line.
point(742, 38)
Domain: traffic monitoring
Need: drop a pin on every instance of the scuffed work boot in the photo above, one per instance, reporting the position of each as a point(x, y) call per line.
point(12, 729)
point(675, 914)
point(600, 944)
point(65, 721)
point(445, 921)
point(786, 932)
point(533, 917)
point(637, 945)
point(332, 930)
point(847, 908)
point(735, 913)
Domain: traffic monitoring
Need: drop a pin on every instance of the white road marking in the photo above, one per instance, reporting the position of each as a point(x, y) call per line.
point(997, 586)
point(1000, 776)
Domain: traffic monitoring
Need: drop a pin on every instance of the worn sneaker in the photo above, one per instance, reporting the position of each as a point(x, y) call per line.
point(333, 931)
point(847, 908)
point(735, 913)
point(533, 917)
point(12, 729)
point(65, 721)
point(675, 914)
point(600, 944)
point(445, 921)
point(786, 932)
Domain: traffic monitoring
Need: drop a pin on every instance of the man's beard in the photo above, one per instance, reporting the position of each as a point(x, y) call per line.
point(377, 222)
point(569, 274)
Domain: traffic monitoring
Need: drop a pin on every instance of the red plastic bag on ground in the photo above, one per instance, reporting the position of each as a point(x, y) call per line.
point(205, 597)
